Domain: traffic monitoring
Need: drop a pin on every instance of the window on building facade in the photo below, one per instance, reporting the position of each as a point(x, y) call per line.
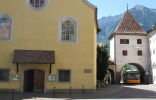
point(4, 75)
point(154, 66)
point(154, 79)
point(124, 53)
point(139, 41)
point(124, 41)
point(68, 29)
point(37, 4)
point(64, 75)
point(139, 52)
point(153, 51)
point(5, 26)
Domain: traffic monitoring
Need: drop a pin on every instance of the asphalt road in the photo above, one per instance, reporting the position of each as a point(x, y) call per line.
point(114, 92)
point(133, 91)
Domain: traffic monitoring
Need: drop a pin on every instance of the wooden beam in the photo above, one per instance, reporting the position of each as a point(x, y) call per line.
point(50, 68)
point(17, 68)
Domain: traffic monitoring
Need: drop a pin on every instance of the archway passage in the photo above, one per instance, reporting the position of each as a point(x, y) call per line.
point(34, 80)
point(142, 72)
point(112, 75)
point(134, 67)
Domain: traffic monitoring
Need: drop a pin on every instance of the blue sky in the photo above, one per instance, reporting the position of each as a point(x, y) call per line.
point(116, 7)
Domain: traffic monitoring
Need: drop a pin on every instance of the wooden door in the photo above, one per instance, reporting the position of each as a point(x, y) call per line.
point(38, 81)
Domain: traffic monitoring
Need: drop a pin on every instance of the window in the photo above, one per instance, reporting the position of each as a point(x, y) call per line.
point(5, 26)
point(154, 78)
point(139, 52)
point(154, 65)
point(124, 53)
point(4, 75)
point(124, 41)
point(139, 41)
point(64, 76)
point(37, 4)
point(68, 29)
point(153, 51)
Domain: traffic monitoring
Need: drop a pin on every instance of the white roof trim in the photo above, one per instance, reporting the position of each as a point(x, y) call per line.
point(89, 4)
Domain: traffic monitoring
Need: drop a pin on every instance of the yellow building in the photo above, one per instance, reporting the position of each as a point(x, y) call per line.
point(47, 44)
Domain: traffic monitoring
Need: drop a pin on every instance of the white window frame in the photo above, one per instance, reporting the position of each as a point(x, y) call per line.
point(73, 21)
point(8, 75)
point(10, 19)
point(46, 2)
point(59, 76)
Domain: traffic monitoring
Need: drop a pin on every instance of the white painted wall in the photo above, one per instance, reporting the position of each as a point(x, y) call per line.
point(132, 48)
point(112, 49)
point(152, 44)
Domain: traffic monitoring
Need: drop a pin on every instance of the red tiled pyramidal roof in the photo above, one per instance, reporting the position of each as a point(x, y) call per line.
point(129, 25)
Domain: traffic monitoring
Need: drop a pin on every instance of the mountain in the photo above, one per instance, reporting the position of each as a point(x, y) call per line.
point(146, 17)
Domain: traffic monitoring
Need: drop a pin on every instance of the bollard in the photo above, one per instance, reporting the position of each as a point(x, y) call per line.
point(83, 89)
point(12, 94)
point(34, 92)
point(70, 90)
point(54, 92)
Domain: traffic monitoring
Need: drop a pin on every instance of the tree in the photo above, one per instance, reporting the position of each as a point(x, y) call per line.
point(102, 61)
point(125, 68)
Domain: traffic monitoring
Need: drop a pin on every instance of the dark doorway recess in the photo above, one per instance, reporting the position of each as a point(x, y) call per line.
point(34, 80)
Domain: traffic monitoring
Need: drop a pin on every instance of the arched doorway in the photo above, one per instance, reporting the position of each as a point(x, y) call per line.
point(33, 80)
point(112, 75)
point(134, 67)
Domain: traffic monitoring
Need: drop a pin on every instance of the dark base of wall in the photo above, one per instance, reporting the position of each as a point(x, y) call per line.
point(73, 90)
point(10, 90)
point(56, 90)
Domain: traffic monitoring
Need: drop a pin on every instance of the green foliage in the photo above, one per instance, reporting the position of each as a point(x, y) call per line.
point(102, 61)
point(125, 68)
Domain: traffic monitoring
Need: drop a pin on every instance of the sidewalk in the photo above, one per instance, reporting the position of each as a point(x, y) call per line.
point(50, 96)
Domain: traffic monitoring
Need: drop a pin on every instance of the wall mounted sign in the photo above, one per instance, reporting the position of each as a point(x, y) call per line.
point(87, 70)
point(51, 78)
point(15, 77)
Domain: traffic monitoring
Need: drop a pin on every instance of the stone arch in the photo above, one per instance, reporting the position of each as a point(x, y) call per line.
point(112, 75)
point(142, 71)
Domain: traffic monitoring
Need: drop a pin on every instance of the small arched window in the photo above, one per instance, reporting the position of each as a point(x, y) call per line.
point(68, 29)
point(5, 26)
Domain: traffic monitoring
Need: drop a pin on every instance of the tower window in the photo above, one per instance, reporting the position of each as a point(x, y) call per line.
point(139, 52)
point(124, 41)
point(124, 53)
point(139, 41)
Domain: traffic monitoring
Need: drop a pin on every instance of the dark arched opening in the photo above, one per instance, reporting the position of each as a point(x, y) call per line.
point(34, 80)
point(112, 75)
point(132, 67)
point(142, 72)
